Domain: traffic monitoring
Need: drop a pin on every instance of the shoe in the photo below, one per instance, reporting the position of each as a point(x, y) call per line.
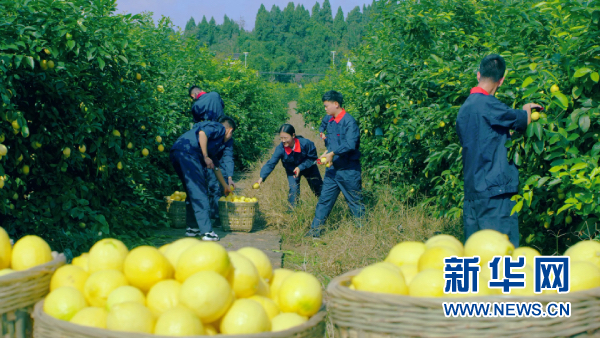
point(210, 236)
point(313, 233)
point(191, 232)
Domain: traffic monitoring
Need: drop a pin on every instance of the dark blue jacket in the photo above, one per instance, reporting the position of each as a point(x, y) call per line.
point(303, 159)
point(323, 126)
point(219, 152)
point(343, 139)
point(483, 126)
point(209, 107)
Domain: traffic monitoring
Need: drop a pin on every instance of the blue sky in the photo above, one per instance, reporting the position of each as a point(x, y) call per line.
point(180, 11)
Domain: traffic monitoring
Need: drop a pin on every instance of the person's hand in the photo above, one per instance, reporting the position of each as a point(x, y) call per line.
point(231, 183)
point(260, 180)
point(296, 172)
point(226, 191)
point(322, 136)
point(209, 162)
point(329, 157)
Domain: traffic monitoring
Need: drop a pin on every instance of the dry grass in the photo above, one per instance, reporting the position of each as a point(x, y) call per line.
point(343, 247)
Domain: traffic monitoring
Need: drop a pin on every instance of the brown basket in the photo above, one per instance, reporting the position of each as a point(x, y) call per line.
point(19, 291)
point(237, 216)
point(177, 213)
point(50, 327)
point(360, 314)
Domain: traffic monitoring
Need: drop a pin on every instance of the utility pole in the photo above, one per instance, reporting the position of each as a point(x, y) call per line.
point(333, 57)
point(245, 59)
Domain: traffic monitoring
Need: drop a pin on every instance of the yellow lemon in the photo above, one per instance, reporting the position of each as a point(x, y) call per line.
point(433, 258)
point(91, 317)
point(528, 289)
point(173, 251)
point(535, 116)
point(138, 76)
point(161, 148)
point(82, 148)
point(5, 249)
point(204, 256)
point(409, 272)
point(67, 152)
point(158, 139)
point(245, 317)
point(163, 296)
point(26, 169)
point(263, 288)
point(179, 322)
point(406, 253)
point(3, 150)
point(587, 251)
point(245, 276)
point(124, 294)
point(129, 145)
point(584, 275)
point(286, 321)
point(107, 254)
point(445, 240)
point(260, 260)
point(255, 186)
point(130, 317)
point(145, 266)
point(145, 152)
point(486, 244)
point(300, 293)
point(210, 330)
point(81, 261)
point(6, 271)
point(279, 275)
point(100, 284)
point(69, 275)
point(208, 294)
point(527, 252)
point(163, 249)
point(64, 302)
point(554, 88)
point(427, 283)
point(379, 279)
point(30, 251)
point(120, 165)
point(268, 305)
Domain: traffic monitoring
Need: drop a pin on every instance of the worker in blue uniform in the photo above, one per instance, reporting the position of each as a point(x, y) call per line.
point(483, 126)
point(209, 107)
point(298, 157)
point(208, 146)
point(343, 142)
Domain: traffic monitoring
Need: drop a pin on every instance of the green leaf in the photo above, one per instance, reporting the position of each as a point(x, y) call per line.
point(584, 123)
point(517, 158)
point(101, 63)
point(595, 76)
point(517, 207)
point(527, 82)
point(532, 66)
point(562, 99)
point(123, 58)
point(542, 181)
point(579, 166)
point(537, 129)
point(563, 208)
point(571, 200)
point(581, 72)
point(71, 44)
point(30, 62)
point(557, 168)
point(577, 92)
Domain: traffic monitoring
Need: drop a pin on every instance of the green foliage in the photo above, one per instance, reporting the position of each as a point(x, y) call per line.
point(93, 98)
point(416, 69)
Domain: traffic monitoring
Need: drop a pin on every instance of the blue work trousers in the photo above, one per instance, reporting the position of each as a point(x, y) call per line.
point(349, 182)
point(194, 178)
point(313, 177)
point(491, 213)
point(215, 191)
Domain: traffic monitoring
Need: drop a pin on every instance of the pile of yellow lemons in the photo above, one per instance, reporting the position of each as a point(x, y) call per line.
point(188, 287)
point(178, 196)
point(234, 198)
point(28, 252)
point(417, 269)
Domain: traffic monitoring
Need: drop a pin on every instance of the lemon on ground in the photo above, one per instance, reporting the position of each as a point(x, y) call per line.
point(300, 293)
point(69, 275)
point(527, 252)
point(91, 316)
point(406, 253)
point(5, 249)
point(380, 279)
point(445, 240)
point(204, 256)
point(175, 249)
point(279, 275)
point(584, 275)
point(286, 321)
point(255, 186)
point(433, 258)
point(81, 261)
point(100, 284)
point(486, 244)
point(6, 271)
point(179, 322)
point(263, 288)
point(64, 302)
point(130, 317)
point(107, 254)
point(245, 317)
point(124, 294)
point(245, 276)
point(260, 260)
point(163, 296)
point(268, 304)
point(30, 251)
point(427, 283)
point(588, 251)
point(145, 266)
point(409, 272)
point(208, 294)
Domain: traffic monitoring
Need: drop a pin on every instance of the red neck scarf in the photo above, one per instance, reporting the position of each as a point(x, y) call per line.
point(338, 118)
point(296, 148)
point(200, 94)
point(479, 90)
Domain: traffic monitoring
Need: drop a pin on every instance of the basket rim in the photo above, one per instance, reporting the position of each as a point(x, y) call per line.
point(336, 289)
point(238, 203)
point(48, 267)
point(40, 316)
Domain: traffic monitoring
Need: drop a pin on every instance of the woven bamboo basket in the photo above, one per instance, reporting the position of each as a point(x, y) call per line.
point(177, 213)
point(237, 216)
point(357, 314)
point(50, 327)
point(19, 291)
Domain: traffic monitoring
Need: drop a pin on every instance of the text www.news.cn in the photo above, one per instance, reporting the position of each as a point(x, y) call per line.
point(506, 309)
